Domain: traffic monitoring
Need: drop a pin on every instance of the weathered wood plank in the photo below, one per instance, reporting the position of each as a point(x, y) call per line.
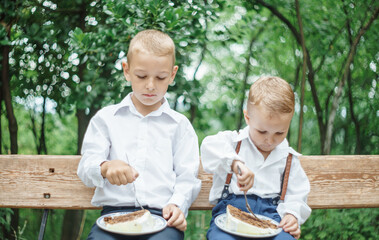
point(344, 181)
point(42, 181)
point(48, 181)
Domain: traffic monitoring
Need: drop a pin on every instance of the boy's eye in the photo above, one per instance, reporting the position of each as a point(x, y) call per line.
point(161, 78)
point(141, 77)
point(261, 132)
point(279, 133)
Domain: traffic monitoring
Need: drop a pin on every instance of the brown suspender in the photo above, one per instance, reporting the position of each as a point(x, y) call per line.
point(284, 180)
point(229, 176)
point(285, 177)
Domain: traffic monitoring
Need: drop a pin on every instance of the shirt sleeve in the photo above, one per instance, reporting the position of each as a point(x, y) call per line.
point(295, 201)
point(186, 167)
point(218, 153)
point(95, 149)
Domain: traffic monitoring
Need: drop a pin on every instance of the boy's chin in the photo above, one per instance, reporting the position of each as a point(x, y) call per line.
point(265, 149)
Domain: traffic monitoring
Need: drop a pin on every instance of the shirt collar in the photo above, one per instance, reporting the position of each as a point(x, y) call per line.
point(243, 134)
point(163, 109)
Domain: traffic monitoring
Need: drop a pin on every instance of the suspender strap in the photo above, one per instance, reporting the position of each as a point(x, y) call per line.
point(285, 177)
point(229, 176)
point(225, 191)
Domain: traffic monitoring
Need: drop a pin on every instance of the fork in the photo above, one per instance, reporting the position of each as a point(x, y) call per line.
point(134, 186)
point(247, 204)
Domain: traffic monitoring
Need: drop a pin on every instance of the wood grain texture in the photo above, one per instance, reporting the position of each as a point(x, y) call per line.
point(48, 181)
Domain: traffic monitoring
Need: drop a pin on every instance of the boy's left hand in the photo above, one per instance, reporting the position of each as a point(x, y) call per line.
point(289, 224)
point(175, 217)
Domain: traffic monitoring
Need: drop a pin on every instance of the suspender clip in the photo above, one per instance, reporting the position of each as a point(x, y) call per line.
point(225, 192)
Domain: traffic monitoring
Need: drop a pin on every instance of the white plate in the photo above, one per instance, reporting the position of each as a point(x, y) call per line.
point(221, 223)
point(160, 224)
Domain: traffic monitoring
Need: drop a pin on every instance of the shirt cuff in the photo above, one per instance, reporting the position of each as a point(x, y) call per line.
point(97, 179)
point(229, 161)
point(283, 212)
point(179, 200)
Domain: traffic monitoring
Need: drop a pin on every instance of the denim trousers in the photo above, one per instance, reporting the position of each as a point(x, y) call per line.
point(261, 206)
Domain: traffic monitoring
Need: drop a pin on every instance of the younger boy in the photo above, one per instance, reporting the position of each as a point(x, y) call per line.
point(142, 142)
point(262, 159)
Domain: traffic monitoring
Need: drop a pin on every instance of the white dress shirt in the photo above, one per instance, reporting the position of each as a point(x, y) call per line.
point(162, 146)
point(218, 153)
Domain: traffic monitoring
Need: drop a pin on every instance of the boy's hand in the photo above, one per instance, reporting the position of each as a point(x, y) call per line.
point(289, 224)
point(175, 217)
point(246, 179)
point(118, 172)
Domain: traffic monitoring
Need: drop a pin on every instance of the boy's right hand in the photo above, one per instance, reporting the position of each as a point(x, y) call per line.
point(246, 179)
point(118, 172)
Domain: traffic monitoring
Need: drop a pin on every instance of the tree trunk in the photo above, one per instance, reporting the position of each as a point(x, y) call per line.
point(12, 123)
point(338, 95)
point(73, 219)
point(311, 72)
point(303, 76)
point(34, 130)
point(193, 105)
point(42, 140)
point(8, 101)
point(72, 224)
point(357, 150)
point(1, 114)
point(246, 75)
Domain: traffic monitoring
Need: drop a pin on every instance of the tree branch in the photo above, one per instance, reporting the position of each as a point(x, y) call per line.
point(311, 73)
point(341, 84)
point(297, 6)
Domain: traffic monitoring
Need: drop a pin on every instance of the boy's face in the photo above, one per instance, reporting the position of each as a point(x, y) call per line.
point(150, 76)
point(267, 130)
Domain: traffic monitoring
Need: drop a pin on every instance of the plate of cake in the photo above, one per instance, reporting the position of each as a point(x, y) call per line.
point(132, 223)
point(243, 224)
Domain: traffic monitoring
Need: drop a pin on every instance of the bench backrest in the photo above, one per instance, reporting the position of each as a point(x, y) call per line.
point(50, 181)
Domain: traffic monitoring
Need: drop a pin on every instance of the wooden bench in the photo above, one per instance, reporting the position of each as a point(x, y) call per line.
point(50, 182)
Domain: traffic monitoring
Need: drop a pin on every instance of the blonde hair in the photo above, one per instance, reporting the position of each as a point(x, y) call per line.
point(273, 93)
point(152, 41)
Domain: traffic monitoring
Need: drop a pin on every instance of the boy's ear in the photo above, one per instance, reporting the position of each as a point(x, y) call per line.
point(173, 74)
point(125, 69)
point(246, 116)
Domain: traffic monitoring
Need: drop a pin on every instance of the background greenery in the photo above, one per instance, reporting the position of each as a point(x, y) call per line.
point(61, 63)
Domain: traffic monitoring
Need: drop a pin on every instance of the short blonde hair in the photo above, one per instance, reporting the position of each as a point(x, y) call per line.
point(273, 93)
point(152, 41)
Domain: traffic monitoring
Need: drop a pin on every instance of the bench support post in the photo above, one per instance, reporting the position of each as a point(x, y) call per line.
point(43, 224)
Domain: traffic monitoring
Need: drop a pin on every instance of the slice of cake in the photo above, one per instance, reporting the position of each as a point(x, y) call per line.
point(139, 221)
point(243, 222)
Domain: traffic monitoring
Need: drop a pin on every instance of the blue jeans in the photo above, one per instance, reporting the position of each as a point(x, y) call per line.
point(167, 233)
point(261, 206)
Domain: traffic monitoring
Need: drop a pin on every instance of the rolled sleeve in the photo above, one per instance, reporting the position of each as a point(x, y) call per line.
point(95, 150)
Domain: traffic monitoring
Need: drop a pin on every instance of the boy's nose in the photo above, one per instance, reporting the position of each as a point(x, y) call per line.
point(270, 140)
point(150, 84)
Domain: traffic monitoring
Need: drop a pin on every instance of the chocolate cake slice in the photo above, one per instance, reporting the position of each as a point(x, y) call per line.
point(138, 221)
point(243, 222)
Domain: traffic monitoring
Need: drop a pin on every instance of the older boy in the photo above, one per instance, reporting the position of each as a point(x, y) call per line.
point(142, 141)
point(262, 160)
